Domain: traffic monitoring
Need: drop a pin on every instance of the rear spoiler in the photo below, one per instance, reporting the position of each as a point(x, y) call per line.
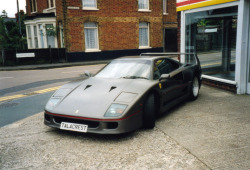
point(190, 57)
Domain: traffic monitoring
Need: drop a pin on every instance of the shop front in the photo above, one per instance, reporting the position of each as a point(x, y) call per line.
point(219, 32)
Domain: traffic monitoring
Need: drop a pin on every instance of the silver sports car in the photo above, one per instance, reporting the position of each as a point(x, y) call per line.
point(128, 93)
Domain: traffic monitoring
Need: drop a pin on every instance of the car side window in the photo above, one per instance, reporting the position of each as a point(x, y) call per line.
point(162, 66)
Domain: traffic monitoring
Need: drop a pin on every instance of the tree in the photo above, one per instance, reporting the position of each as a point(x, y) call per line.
point(3, 35)
point(10, 37)
point(4, 13)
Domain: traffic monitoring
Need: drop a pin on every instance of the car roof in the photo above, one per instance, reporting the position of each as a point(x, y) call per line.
point(148, 58)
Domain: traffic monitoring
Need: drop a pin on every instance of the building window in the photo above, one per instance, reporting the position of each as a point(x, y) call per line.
point(143, 4)
point(50, 3)
point(50, 35)
point(91, 36)
point(33, 6)
point(143, 34)
point(41, 35)
point(30, 44)
point(212, 35)
point(89, 4)
point(165, 7)
point(61, 35)
point(35, 37)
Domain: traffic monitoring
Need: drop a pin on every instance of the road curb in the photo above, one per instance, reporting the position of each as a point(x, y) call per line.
point(49, 66)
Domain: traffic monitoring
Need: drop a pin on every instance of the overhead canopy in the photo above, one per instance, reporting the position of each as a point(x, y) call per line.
point(182, 5)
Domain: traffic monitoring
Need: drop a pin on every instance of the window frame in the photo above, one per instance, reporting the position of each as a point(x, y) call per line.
point(41, 32)
point(29, 36)
point(144, 9)
point(61, 35)
point(148, 36)
point(41, 40)
point(96, 39)
point(33, 6)
point(35, 33)
point(47, 27)
point(165, 7)
point(90, 7)
point(49, 6)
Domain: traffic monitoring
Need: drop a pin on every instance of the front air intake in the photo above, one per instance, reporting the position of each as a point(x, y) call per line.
point(112, 88)
point(87, 86)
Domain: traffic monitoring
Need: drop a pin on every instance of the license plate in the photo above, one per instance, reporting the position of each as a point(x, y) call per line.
point(74, 127)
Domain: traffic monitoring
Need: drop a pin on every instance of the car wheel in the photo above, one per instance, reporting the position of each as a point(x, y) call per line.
point(195, 88)
point(149, 112)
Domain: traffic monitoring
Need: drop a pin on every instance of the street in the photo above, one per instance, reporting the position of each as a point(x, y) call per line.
point(25, 92)
point(26, 81)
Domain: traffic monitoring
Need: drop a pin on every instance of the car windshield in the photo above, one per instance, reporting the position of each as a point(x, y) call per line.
point(128, 69)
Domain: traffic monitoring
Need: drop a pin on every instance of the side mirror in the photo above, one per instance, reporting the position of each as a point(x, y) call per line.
point(88, 74)
point(164, 77)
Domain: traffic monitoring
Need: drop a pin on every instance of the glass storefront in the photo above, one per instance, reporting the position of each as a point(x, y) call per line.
point(212, 35)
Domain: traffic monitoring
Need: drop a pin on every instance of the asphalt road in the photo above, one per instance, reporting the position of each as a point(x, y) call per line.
point(30, 84)
point(12, 111)
point(26, 81)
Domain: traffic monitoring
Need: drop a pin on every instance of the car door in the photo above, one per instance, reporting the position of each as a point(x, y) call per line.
point(170, 88)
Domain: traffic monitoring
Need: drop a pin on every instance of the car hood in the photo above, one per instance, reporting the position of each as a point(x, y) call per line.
point(93, 96)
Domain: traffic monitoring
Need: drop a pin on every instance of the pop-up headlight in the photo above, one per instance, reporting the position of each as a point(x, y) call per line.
point(115, 110)
point(52, 103)
point(57, 97)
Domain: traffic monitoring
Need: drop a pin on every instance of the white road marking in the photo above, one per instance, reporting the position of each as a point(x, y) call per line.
point(6, 78)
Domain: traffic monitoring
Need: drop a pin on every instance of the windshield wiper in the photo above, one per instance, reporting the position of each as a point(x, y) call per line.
point(134, 77)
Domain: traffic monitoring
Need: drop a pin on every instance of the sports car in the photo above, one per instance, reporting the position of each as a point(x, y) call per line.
point(127, 94)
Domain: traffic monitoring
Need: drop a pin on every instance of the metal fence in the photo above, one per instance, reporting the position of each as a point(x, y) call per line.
point(42, 56)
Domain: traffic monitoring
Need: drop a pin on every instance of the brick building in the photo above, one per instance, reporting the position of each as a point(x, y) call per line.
point(100, 29)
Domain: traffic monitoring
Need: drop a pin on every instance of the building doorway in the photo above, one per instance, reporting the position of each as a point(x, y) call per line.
point(170, 40)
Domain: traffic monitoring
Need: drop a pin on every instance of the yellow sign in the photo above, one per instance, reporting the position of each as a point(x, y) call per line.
point(182, 5)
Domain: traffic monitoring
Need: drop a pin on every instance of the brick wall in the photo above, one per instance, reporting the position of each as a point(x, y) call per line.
point(41, 5)
point(118, 24)
point(28, 7)
point(171, 16)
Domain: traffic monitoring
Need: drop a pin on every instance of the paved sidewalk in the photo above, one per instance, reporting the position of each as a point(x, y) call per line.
point(215, 128)
point(212, 132)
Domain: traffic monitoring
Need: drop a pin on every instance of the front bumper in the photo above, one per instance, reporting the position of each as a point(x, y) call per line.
point(99, 126)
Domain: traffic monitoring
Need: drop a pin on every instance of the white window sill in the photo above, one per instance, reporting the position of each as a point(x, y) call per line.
point(144, 47)
point(51, 8)
point(165, 13)
point(90, 9)
point(92, 50)
point(33, 12)
point(144, 10)
point(73, 7)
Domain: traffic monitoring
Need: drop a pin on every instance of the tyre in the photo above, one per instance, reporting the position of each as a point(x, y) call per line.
point(195, 88)
point(149, 112)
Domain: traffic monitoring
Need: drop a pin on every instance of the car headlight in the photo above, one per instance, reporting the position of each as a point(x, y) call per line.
point(115, 110)
point(52, 103)
point(57, 97)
